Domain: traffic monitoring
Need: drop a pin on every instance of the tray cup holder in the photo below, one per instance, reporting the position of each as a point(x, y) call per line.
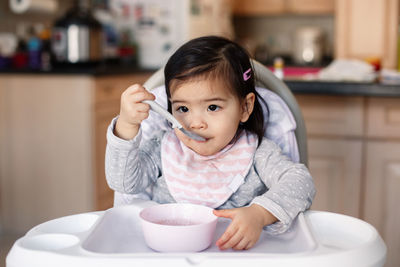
point(49, 242)
point(70, 224)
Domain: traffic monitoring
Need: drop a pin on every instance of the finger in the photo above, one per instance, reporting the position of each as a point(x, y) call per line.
point(139, 97)
point(140, 116)
point(142, 107)
point(150, 96)
point(134, 89)
point(249, 245)
point(224, 213)
point(137, 89)
point(135, 110)
point(242, 244)
point(143, 115)
point(227, 235)
point(233, 241)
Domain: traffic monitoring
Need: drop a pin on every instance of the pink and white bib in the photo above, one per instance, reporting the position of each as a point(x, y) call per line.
point(206, 180)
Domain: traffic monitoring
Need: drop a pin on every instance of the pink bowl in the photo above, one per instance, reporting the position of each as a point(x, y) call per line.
point(178, 227)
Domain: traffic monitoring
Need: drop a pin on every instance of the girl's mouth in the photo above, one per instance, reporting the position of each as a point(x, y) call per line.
point(202, 141)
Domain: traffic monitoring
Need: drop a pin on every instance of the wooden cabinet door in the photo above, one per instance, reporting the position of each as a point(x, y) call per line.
point(104, 195)
point(367, 28)
point(107, 104)
point(3, 142)
point(258, 7)
point(48, 144)
point(310, 6)
point(382, 194)
point(271, 7)
point(383, 117)
point(336, 169)
point(332, 115)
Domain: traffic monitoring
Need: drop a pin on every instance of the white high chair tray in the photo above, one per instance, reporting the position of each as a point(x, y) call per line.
point(114, 238)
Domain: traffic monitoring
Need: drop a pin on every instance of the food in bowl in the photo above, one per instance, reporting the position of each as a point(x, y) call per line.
point(178, 227)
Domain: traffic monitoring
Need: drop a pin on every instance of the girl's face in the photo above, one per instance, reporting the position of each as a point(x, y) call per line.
point(209, 109)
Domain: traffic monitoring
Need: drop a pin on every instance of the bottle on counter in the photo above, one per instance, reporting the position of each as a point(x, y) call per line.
point(34, 47)
point(278, 67)
point(127, 48)
point(8, 46)
point(20, 58)
point(45, 53)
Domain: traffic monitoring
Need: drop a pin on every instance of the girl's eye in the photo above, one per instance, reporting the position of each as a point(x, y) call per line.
point(182, 109)
point(213, 107)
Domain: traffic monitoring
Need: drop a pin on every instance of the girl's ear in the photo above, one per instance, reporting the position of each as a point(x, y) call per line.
point(247, 106)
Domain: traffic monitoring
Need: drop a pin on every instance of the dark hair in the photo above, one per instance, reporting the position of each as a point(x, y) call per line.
point(212, 57)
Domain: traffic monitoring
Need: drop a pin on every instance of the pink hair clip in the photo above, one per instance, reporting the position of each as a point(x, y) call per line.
point(246, 74)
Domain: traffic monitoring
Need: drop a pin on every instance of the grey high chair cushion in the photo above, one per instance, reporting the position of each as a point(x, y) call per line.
point(266, 79)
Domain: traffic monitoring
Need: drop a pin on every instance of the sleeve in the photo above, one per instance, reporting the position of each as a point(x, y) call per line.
point(290, 186)
point(131, 165)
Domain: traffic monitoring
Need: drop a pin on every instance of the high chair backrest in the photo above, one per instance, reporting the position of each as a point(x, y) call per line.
point(264, 79)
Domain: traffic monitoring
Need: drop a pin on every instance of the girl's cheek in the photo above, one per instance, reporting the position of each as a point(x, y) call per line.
point(181, 136)
point(180, 117)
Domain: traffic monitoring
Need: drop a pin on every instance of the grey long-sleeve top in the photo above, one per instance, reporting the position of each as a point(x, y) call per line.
point(274, 182)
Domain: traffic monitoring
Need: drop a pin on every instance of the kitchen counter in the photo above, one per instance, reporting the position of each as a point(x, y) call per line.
point(343, 88)
point(297, 86)
point(101, 69)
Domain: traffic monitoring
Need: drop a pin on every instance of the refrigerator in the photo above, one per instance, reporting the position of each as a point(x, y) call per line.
point(159, 27)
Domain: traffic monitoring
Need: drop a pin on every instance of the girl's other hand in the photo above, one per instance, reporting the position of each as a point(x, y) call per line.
point(132, 111)
point(246, 226)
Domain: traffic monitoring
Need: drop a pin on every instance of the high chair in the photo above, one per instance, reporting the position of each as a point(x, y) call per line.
point(114, 237)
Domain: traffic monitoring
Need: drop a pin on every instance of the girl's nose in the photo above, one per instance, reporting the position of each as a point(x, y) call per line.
point(197, 122)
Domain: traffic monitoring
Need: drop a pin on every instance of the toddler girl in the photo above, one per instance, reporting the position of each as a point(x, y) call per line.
point(244, 176)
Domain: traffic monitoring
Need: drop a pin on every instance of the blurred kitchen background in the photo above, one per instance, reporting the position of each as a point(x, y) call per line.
point(64, 64)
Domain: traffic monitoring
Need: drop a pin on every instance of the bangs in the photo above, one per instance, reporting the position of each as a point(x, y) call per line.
point(219, 70)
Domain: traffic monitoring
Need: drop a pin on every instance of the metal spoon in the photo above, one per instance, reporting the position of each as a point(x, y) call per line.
point(175, 123)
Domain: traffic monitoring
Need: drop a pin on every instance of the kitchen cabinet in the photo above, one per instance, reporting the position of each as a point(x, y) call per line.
point(310, 7)
point(382, 198)
point(334, 129)
point(382, 172)
point(336, 168)
point(367, 28)
point(104, 195)
point(52, 139)
point(383, 120)
point(362, 28)
point(277, 7)
point(46, 162)
point(258, 7)
point(3, 153)
point(107, 102)
point(332, 115)
point(354, 157)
